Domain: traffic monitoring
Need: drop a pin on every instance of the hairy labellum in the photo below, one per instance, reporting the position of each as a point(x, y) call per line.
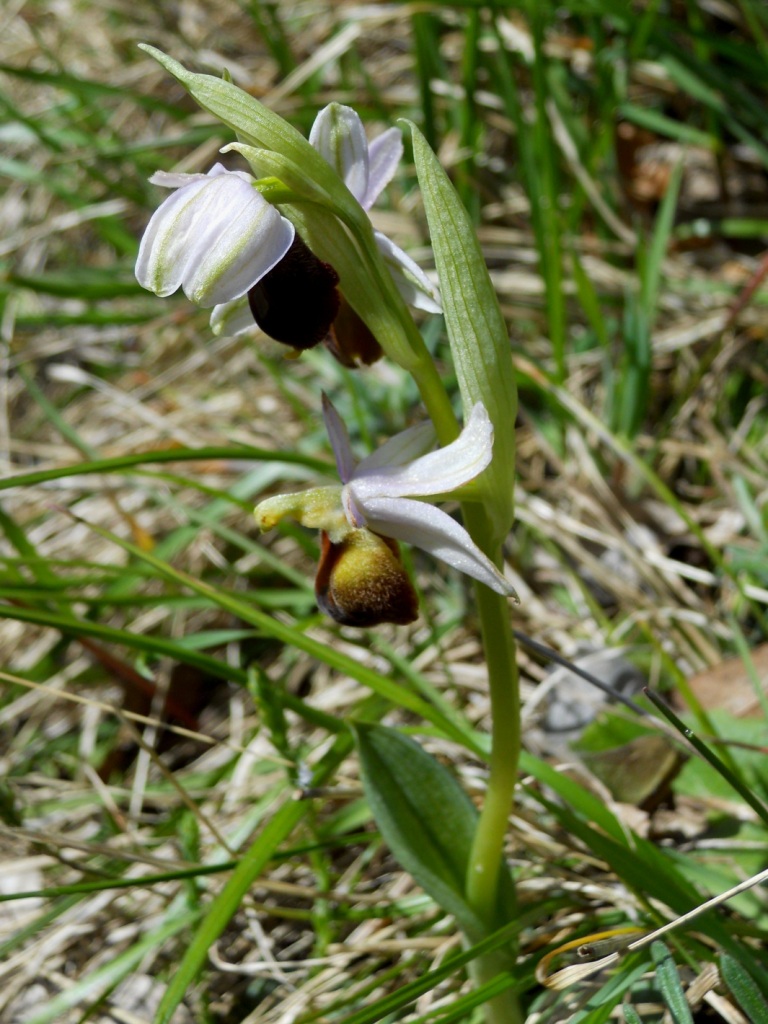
point(297, 301)
point(361, 581)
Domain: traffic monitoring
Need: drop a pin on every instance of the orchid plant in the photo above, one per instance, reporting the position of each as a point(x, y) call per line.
point(245, 245)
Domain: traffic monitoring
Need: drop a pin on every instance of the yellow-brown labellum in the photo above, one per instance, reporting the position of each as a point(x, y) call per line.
point(361, 581)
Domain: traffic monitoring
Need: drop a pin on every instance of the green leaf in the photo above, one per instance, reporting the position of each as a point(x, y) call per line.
point(669, 982)
point(425, 817)
point(631, 1016)
point(476, 330)
point(88, 283)
point(743, 988)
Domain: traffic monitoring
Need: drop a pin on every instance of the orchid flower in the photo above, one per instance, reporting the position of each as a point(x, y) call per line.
point(219, 240)
point(366, 169)
point(361, 580)
point(222, 242)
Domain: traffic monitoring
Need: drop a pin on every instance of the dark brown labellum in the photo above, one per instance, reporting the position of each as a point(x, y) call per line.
point(361, 581)
point(297, 301)
point(350, 340)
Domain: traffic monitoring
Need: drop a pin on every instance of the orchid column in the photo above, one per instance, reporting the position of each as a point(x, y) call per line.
point(305, 220)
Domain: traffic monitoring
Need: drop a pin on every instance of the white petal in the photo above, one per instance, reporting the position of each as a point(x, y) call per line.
point(230, 318)
point(159, 265)
point(178, 179)
point(241, 237)
point(434, 531)
point(215, 237)
point(402, 448)
point(337, 432)
point(338, 135)
point(384, 154)
point(413, 284)
point(434, 473)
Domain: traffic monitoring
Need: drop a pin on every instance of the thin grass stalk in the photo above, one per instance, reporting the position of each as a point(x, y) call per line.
point(468, 119)
point(543, 193)
point(426, 52)
point(267, 20)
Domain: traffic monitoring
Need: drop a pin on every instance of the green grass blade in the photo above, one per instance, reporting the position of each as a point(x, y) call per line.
point(253, 862)
point(143, 882)
point(743, 988)
point(429, 67)
point(163, 455)
point(652, 271)
point(668, 980)
point(267, 18)
point(667, 127)
point(739, 785)
point(71, 626)
point(399, 999)
point(631, 1016)
point(293, 637)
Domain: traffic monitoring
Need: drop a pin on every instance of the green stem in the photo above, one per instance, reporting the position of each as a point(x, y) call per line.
point(433, 394)
point(421, 365)
point(486, 857)
point(389, 320)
